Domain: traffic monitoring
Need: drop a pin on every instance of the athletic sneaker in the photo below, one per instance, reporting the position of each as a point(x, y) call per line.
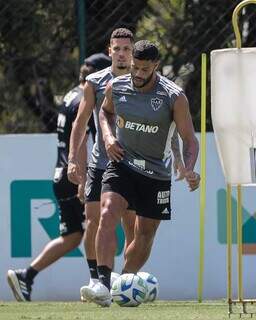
point(98, 294)
point(20, 286)
point(114, 276)
point(92, 283)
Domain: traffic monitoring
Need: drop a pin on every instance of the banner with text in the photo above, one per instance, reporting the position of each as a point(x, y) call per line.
point(29, 219)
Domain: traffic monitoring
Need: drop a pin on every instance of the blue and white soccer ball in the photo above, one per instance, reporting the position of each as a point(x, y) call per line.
point(152, 284)
point(129, 290)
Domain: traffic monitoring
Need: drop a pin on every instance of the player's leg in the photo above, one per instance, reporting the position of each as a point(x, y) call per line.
point(71, 232)
point(92, 212)
point(71, 224)
point(56, 249)
point(139, 249)
point(152, 203)
point(21, 281)
point(113, 206)
point(128, 223)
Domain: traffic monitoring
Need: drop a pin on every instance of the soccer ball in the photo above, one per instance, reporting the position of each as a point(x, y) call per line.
point(129, 290)
point(152, 284)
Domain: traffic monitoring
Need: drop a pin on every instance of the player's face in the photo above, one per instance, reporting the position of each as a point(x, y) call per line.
point(142, 72)
point(121, 52)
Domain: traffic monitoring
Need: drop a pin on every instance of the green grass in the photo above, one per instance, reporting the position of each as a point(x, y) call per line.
point(162, 310)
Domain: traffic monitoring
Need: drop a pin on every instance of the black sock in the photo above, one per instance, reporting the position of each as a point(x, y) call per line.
point(30, 273)
point(104, 273)
point(92, 264)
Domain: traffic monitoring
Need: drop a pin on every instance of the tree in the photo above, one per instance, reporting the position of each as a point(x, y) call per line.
point(39, 54)
point(38, 42)
point(104, 16)
point(39, 48)
point(184, 30)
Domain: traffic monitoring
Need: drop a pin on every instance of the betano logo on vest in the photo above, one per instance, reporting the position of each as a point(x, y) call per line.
point(135, 126)
point(34, 200)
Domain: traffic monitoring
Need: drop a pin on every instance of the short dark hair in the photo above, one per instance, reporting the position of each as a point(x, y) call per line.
point(83, 73)
point(122, 33)
point(98, 61)
point(145, 50)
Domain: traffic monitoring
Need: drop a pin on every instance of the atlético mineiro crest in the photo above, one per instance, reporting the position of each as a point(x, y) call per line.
point(156, 103)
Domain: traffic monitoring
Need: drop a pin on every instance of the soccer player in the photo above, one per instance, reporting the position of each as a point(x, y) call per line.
point(96, 62)
point(120, 50)
point(67, 194)
point(147, 106)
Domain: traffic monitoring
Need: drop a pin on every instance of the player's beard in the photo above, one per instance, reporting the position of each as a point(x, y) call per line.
point(122, 66)
point(145, 82)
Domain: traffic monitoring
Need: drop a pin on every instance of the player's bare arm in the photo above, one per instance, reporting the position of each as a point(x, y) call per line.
point(77, 138)
point(178, 165)
point(107, 116)
point(183, 120)
point(82, 160)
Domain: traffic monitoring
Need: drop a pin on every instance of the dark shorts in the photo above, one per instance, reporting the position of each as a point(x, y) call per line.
point(93, 184)
point(91, 127)
point(149, 197)
point(70, 208)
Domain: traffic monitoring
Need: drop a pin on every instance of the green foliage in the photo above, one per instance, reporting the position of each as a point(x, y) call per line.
point(183, 30)
point(39, 54)
point(157, 19)
point(38, 58)
point(39, 49)
point(104, 16)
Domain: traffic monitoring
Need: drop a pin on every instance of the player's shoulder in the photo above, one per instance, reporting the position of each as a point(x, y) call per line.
point(99, 75)
point(74, 90)
point(124, 78)
point(168, 86)
point(120, 81)
point(73, 97)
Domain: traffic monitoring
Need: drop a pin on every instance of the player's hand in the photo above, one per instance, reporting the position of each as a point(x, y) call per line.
point(80, 192)
point(113, 149)
point(74, 173)
point(179, 170)
point(193, 180)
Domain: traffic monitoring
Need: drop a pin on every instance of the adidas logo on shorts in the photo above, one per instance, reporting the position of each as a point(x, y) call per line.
point(165, 211)
point(122, 99)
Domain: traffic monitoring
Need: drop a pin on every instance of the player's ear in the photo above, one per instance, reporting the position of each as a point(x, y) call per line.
point(109, 51)
point(156, 65)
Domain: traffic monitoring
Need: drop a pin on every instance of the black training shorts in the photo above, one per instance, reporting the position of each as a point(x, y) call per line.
point(149, 197)
point(70, 208)
point(93, 184)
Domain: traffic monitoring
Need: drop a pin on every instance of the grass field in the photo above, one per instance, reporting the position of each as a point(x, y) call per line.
point(162, 310)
